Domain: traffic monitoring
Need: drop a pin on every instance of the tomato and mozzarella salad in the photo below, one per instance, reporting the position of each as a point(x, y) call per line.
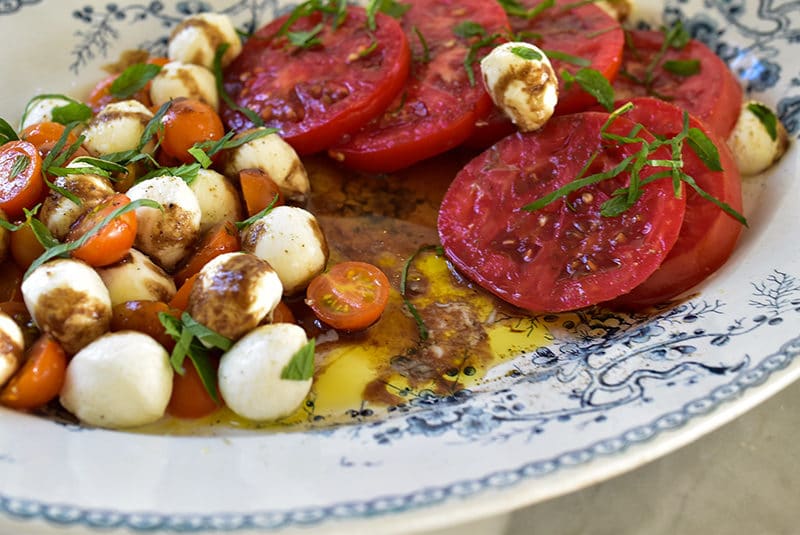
point(153, 234)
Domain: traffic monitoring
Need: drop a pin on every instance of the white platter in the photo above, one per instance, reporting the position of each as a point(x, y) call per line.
point(608, 394)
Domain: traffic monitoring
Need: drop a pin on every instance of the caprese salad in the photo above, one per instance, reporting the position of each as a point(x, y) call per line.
point(153, 232)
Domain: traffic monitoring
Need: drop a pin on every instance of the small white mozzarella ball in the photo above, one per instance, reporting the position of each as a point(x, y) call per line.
point(58, 212)
point(218, 198)
point(118, 127)
point(68, 300)
point(12, 343)
point(122, 379)
point(250, 373)
point(233, 293)
point(178, 79)
point(136, 278)
point(290, 239)
point(618, 9)
point(277, 159)
point(40, 110)
point(167, 237)
point(525, 89)
point(5, 238)
point(753, 148)
point(196, 39)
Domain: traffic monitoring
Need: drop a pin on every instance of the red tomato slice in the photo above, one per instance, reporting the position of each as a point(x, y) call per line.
point(21, 182)
point(566, 255)
point(583, 31)
point(708, 235)
point(314, 96)
point(113, 241)
point(439, 106)
point(350, 296)
point(713, 95)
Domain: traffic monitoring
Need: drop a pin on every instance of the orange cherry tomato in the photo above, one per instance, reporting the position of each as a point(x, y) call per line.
point(112, 242)
point(21, 183)
point(25, 248)
point(40, 378)
point(47, 132)
point(101, 95)
point(180, 300)
point(142, 316)
point(258, 190)
point(190, 399)
point(189, 121)
point(281, 314)
point(158, 60)
point(219, 239)
point(350, 296)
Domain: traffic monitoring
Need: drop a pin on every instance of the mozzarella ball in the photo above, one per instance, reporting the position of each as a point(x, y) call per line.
point(122, 379)
point(196, 39)
point(58, 212)
point(218, 199)
point(250, 373)
point(233, 293)
point(618, 9)
point(68, 300)
point(41, 110)
point(12, 344)
point(178, 79)
point(290, 239)
point(167, 237)
point(277, 159)
point(136, 278)
point(753, 148)
point(5, 238)
point(118, 127)
point(525, 88)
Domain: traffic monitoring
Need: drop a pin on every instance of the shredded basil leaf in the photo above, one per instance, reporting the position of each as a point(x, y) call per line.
point(767, 118)
point(426, 52)
point(514, 9)
point(255, 217)
point(421, 327)
point(306, 39)
point(301, 366)
point(223, 94)
point(525, 52)
point(688, 67)
point(594, 83)
point(704, 148)
point(567, 58)
point(21, 162)
point(7, 132)
point(133, 79)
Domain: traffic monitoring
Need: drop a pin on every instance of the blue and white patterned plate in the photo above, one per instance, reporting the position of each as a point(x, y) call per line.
point(609, 393)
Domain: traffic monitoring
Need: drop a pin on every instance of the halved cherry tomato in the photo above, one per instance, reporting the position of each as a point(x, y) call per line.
point(25, 248)
point(350, 296)
point(190, 399)
point(21, 183)
point(46, 132)
point(439, 104)
point(565, 255)
point(318, 94)
point(180, 300)
point(708, 234)
point(713, 95)
point(189, 121)
point(258, 190)
point(142, 316)
point(113, 241)
point(219, 239)
point(280, 314)
point(40, 378)
point(101, 95)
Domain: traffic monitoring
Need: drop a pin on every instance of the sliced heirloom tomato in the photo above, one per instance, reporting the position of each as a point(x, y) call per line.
point(315, 95)
point(712, 94)
point(708, 235)
point(583, 31)
point(21, 182)
point(350, 296)
point(40, 378)
point(113, 241)
point(566, 255)
point(440, 104)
